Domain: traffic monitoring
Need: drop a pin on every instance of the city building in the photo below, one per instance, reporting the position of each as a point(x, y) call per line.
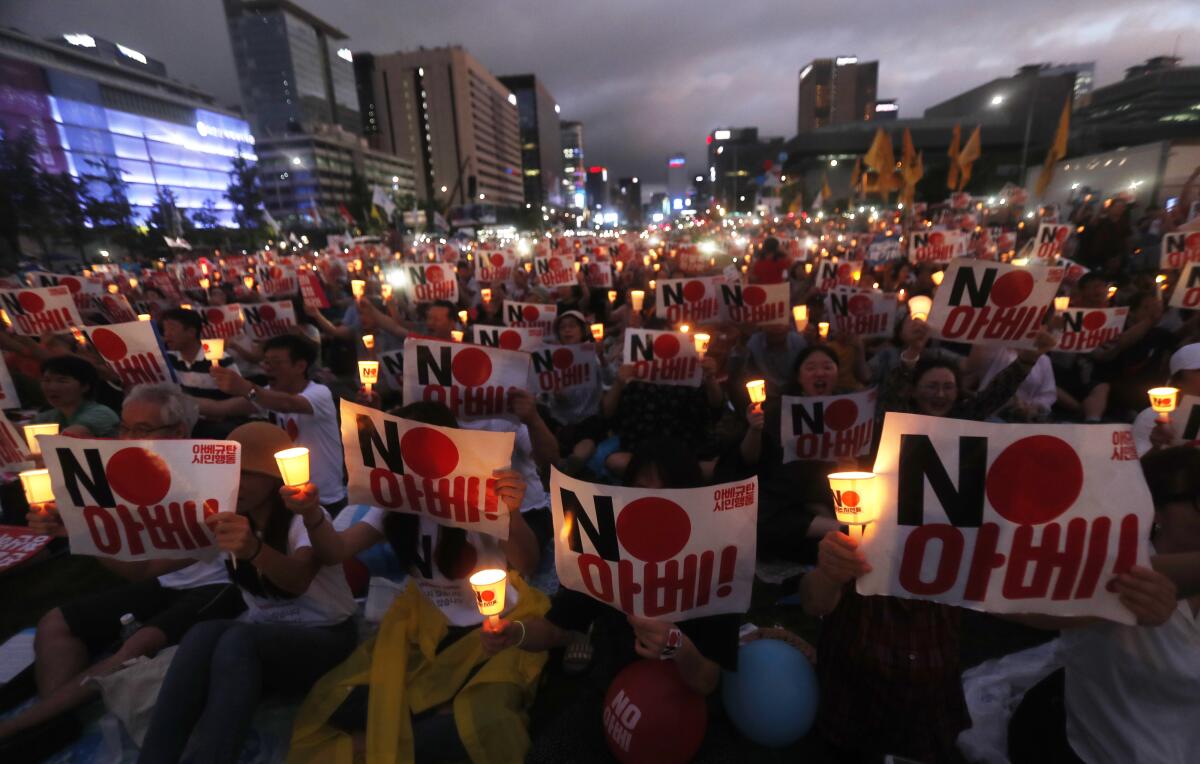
point(629, 200)
point(89, 103)
point(738, 161)
point(835, 91)
point(885, 110)
point(1159, 91)
point(442, 110)
point(574, 179)
point(541, 140)
point(678, 181)
point(596, 188)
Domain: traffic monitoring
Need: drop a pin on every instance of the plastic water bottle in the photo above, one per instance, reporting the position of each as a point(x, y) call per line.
point(129, 625)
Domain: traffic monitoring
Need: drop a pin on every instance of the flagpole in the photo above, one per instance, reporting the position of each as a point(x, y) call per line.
point(1028, 130)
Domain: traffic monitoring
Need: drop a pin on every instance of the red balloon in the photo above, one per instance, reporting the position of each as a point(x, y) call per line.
point(652, 717)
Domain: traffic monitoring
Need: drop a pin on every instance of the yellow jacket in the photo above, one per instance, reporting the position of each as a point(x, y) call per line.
point(407, 676)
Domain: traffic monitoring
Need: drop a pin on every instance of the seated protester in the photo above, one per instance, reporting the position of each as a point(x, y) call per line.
point(1083, 384)
point(1035, 396)
point(441, 696)
point(298, 623)
point(167, 596)
point(708, 645)
point(886, 357)
point(1131, 693)
point(68, 385)
point(574, 297)
point(1148, 433)
point(773, 351)
point(181, 329)
point(362, 317)
point(853, 371)
point(577, 420)
point(1139, 358)
point(303, 408)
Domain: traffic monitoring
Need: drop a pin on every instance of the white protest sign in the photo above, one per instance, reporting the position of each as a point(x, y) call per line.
point(134, 351)
point(991, 303)
point(667, 554)
point(114, 307)
point(83, 290)
point(32, 312)
point(1007, 518)
point(756, 304)
point(472, 381)
point(430, 282)
point(530, 314)
point(442, 473)
point(662, 358)
point(555, 271)
point(8, 391)
point(936, 246)
point(1051, 238)
point(694, 300)
point(1179, 249)
point(555, 368)
point(391, 369)
point(277, 280)
point(495, 267)
point(827, 428)
point(508, 337)
point(867, 313)
point(829, 274)
point(263, 320)
point(1085, 329)
point(14, 448)
point(598, 275)
point(221, 321)
point(142, 499)
point(1186, 293)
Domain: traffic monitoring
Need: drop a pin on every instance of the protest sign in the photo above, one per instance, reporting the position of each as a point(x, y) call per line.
point(114, 307)
point(134, 351)
point(1179, 249)
point(277, 280)
point(668, 554)
point(32, 312)
point(1074, 271)
point(495, 267)
point(311, 290)
point(827, 428)
point(598, 275)
point(142, 499)
point(936, 246)
point(508, 337)
point(884, 250)
point(530, 314)
point(867, 313)
point(555, 368)
point(221, 321)
point(991, 303)
point(555, 271)
point(691, 260)
point(830, 274)
point(8, 391)
point(756, 304)
point(1085, 329)
point(1007, 518)
point(695, 300)
point(14, 448)
point(662, 358)
point(472, 381)
point(18, 544)
point(83, 290)
point(442, 473)
point(1051, 238)
point(263, 320)
point(430, 282)
point(1186, 293)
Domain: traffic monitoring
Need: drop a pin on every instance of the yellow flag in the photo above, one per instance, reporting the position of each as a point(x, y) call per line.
point(966, 158)
point(856, 177)
point(913, 172)
point(881, 159)
point(1058, 149)
point(825, 192)
point(952, 175)
point(908, 154)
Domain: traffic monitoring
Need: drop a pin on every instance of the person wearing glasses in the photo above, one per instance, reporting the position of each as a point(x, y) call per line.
point(83, 638)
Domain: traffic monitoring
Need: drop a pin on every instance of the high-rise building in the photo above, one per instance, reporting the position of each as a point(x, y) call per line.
point(1157, 91)
point(885, 110)
point(678, 181)
point(597, 189)
point(541, 138)
point(89, 103)
point(574, 180)
point(297, 83)
point(629, 200)
point(442, 110)
point(835, 91)
point(737, 160)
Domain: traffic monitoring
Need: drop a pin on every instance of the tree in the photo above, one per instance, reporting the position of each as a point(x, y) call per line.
point(67, 200)
point(113, 213)
point(206, 216)
point(165, 216)
point(245, 194)
point(360, 201)
point(22, 200)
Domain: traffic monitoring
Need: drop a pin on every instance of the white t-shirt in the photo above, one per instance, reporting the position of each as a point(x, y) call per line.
point(319, 433)
point(1037, 389)
point(1133, 692)
point(453, 596)
point(199, 573)
point(522, 459)
point(1143, 425)
point(327, 602)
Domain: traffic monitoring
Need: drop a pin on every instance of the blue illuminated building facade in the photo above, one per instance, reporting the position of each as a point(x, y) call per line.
point(89, 102)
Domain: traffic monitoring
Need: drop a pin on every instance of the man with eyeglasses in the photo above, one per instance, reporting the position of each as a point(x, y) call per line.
point(165, 596)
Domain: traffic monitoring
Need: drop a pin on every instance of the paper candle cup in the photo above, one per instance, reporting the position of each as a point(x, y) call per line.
point(293, 465)
point(369, 341)
point(1061, 303)
point(385, 291)
point(143, 316)
point(937, 277)
point(597, 332)
point(133, 283)
point(757, 389)
point(800, 316)
point(685, 328)
point(248, 281)
point(213, 349)
point(486, 294)
point(462, 317)
point(32, 431)
point(368, 372)
point(456, 335)
point(489, 591)
point(808, 267)
point(636, 297)
point(701, 339)
point(853, 498)
point(1163, 400)
point(358, 288)
point(919, 307)
point(823, 329)
point(612, 295)
point(113, 289)
point(37, 486)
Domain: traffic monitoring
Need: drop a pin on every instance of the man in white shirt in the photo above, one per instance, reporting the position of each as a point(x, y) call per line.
point(303, 408)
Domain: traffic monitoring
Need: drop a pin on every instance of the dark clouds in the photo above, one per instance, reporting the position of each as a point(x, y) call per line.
point(651, 78)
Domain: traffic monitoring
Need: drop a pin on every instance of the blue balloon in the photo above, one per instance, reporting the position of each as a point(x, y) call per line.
point(772, 697)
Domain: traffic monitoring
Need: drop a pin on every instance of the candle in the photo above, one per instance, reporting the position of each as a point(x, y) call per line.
point(919, 307)
point(248, 281)
point(701, 339)
point(37, 486)
point(757, 389)
point(368, 373)
point(1062, 303)
point(901, 296)
point(456, 335)
point(620, 265)
point(186, 305)
point(823, 329)
point(293, 465)
point(358, 288)
point(113, 289)
point(385, 291)
point(1163, 400)
point(852, 500)
point(800, 316)
point(369, 341)
point(685, 328)
point(578, 266)
point(489, 588)
point(528, 267)
point(636, 297)
point(204, 284)
point(808, 268)
point(486, 294)
point(32, 431)
point(77, 333)
point(597, 332)
point(213, 349)
point(143, 316)
point(133, 283)
point(612, 295)
point(462, 317)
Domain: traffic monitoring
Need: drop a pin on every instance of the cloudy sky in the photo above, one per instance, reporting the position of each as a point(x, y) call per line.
point(651, 78)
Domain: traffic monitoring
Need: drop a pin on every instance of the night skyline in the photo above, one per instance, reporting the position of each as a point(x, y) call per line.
point(654, 80)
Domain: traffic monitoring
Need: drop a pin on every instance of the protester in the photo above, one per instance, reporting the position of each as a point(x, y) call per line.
point(68, 385)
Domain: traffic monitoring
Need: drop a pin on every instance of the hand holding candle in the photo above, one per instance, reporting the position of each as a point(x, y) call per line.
point(293, 465)
point(368, 373)
point(853, 497)
point(800, 316)
point(701, 339)
point(919, 307)
point(757, 390)
point(36, 484)
point(489, 588)
point(213, 349)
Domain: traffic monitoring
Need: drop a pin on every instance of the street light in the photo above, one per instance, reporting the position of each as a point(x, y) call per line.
point(997, 99)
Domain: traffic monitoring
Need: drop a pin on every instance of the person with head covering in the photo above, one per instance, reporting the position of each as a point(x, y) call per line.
point(1148, 433)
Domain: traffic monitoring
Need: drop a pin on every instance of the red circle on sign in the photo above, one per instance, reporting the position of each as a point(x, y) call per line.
point(850, 498)
point(266, 313)
point(1192, 241)
point(109, 343)
point(666, 346)
point(138, 476)
point(841, 414)
point(693, 291)
point(497, 260)
point(1061, 235)
point(936, 238)
point(653, 529)
point(1094, 320)
point(754, 296)
point(557, 264)
point(71, 283)
point(1034, 480)
point(562, 358)
point(530, 313)
point(471, 367)
point(843, 270)
point(1012, 289)
point(30, 302)
point(215, 316)
point(429, 453)
point(510, 340)
point(434, 273)
point(859, 305)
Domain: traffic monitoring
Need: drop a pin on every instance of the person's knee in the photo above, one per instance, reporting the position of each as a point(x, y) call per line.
point(617, 462)
point(52, 627)
point(584, 449)
point(234, 648)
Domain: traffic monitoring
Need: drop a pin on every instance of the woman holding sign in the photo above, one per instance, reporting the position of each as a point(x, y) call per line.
point(69, 384)
point(425, 683)
point(297, 625)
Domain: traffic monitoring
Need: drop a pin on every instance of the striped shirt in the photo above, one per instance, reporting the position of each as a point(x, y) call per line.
point(194, 376)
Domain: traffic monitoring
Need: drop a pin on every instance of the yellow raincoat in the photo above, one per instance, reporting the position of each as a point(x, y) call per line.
point(407, 676)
